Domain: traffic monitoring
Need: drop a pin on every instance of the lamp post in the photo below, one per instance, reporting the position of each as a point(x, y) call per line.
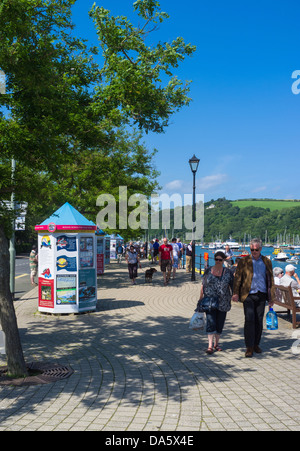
point(194, 163)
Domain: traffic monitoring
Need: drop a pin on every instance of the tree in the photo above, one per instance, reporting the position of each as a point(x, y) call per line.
point(132, 87)
point(61, 107)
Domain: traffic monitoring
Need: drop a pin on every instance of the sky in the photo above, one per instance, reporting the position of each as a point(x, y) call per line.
point(243, 121)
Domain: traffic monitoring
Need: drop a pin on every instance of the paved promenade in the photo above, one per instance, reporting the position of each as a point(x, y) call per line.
point(138, 367)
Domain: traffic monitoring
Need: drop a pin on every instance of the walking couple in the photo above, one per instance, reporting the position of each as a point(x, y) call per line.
point(252, 284)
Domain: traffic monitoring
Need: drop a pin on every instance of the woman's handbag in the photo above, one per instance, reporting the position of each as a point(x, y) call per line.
point(208, 304)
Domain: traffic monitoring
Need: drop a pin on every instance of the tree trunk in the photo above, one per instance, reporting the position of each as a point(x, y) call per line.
point(14, 353)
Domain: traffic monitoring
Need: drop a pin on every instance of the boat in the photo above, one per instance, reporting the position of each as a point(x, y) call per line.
point(242, 254)
point(216, 245)
point(232, 244)
point(293, 260)
point(281, 257)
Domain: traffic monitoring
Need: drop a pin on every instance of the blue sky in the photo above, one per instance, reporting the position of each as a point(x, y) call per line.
point(244, 120)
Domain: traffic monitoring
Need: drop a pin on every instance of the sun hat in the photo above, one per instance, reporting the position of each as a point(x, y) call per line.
point(290, 268)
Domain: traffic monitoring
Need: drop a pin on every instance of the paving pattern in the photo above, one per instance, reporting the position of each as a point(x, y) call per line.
point(138, 367)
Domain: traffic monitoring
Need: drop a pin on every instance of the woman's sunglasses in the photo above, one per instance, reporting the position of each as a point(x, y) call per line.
point(218, 259)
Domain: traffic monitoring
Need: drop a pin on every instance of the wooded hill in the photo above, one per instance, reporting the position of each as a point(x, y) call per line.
point(224, 218)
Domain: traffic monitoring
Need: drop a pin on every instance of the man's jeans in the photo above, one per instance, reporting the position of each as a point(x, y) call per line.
point(254, 309)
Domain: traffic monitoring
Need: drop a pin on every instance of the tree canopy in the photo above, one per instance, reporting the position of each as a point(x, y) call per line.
point(67, 113)
point(67, 105)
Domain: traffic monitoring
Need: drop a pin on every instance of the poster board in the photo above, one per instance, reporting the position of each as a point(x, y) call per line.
point(67, 272)
point(100, 255)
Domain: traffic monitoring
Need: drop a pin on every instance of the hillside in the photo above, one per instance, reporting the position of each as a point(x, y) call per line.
point(266, 203)
point(275, 220)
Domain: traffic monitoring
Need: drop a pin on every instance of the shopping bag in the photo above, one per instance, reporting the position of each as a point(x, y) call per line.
point(197, 321)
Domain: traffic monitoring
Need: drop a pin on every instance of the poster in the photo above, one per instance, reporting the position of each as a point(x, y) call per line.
point(87, 289)
point(65, 289)
point(100, 264)
point(66, 242)
point(86, 252)
point(107, 251)
point(66, 263)
point(46, 295)
point(45, 256)
point(100, 256)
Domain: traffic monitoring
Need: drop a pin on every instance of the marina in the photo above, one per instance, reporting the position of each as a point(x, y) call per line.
point(291, 256)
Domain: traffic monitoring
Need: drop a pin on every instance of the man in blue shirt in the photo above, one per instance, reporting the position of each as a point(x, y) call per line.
point(155, 249)
point(253, 285)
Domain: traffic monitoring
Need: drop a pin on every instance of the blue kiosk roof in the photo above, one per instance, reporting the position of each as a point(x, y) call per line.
point(67, 215)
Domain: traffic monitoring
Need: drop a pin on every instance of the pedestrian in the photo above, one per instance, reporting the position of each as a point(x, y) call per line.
point(217, 282)
point(120, 251)
point(165, 252)
point(288, 280)
point(188, 257)
point(180, 255)
point(278, 274)
point(254, 285)
point(33, 264)
point(155, 250)
point(151, 251)
point(229, 257)
point(176, 252)
point(133, 260)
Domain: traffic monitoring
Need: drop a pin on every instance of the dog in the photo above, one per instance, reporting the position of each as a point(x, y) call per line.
point(149, 273)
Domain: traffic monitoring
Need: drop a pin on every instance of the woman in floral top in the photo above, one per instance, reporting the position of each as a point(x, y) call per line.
point(217, 282)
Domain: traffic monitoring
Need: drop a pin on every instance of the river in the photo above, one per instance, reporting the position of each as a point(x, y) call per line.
point(268, 251)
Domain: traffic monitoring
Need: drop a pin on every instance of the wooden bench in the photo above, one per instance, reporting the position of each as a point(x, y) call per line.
point(284, 298)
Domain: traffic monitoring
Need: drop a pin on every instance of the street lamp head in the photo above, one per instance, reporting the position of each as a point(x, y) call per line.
point(194, 163)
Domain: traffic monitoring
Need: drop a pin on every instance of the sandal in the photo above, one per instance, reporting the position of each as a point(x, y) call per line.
point(217, 348)
point(209, 351)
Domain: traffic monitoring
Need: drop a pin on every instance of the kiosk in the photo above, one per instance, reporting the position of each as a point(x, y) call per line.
point(115, 240)
point(107, 249)
point(67, 262)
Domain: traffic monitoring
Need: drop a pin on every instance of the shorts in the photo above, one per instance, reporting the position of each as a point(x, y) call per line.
point(215, 321)
point(165, 265)
point(33, 272)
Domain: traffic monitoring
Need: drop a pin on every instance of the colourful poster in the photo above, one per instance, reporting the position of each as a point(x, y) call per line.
point(64, 262)
point(87, 289)
point(67, 243)
point(46, 295)
point(86, 252)
point(65, 289)
point(100, 264)
point(45, 242)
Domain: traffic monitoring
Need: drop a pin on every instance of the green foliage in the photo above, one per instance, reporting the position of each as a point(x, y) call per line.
point(133, 72)
point(227, 219)
point(271, 204)
point(65, 116)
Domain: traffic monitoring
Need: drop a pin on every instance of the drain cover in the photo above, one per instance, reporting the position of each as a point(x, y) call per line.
point(42, 373)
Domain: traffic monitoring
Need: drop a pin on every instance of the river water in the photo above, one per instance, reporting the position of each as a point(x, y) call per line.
point(268, 251)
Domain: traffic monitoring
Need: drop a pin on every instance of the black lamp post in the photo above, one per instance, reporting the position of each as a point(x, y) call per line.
point(194, 163)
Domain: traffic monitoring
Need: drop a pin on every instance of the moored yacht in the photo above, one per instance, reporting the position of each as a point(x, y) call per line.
point(232, 244)
point(281, 256)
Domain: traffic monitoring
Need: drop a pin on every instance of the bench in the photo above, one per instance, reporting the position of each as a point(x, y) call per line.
point(284, 298)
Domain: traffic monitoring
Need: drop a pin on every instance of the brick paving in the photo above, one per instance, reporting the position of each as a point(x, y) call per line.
point(138, 367)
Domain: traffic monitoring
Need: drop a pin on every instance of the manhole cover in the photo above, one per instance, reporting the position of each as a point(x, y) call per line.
point(39, 373)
